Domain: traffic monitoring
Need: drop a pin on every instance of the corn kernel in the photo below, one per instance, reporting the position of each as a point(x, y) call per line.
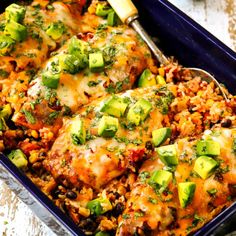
point(50, 135)
point(161, 71)
point(33, 157)
point(34, 134)
point(84, 211)
point(160, 80)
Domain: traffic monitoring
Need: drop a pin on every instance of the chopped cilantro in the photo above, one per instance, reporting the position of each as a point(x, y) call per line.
point(212, 192)
point(152, 200)
point(52, 116)
point(4, 73)
point(29, 117)
point(234, 146)
point(125, 216)
point(143, 176)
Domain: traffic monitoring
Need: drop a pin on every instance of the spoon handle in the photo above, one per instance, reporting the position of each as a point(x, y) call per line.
point(124, 9)
point(128, 13)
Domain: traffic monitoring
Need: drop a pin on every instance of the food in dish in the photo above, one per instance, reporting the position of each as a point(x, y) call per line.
point(118, 160)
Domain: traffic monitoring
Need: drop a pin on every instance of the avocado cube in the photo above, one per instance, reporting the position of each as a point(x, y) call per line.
point(6, 45)
point(160, 80)
point(186, 192)
point(15, 13)
point(55, 30)
point(161, 177)
point(208, 148)
point(108, 126)
point(115, 106)
point(18, 158)
point(139, 111)
point(159, 136)
point(78, 132)
point(79, 48)
point(50, 79)
point(103, 10)
point(168, 154)
point(112, 19)
point(99, 206)
point(96, 62)
point(205, 166)
point(16, 31)
point(146, 79)
point(5, 111)
point(69, 63)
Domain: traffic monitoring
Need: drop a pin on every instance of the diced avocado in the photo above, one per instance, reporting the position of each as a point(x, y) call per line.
point(79, 48)
point(101, 233)
point(50, 79)
point(5, 111)
point(15, 13)
point(161, 177)
point(16, 31)
point(115, 106)
point(55, 30)
point(99, 206)
point(205, 166)
point(186, 192)
point(18, 158)
point(6, 45)
point(103, 9)
point(146, 79)
point(112, 19)
point(208, 148)
point(160, 80)
point(139, 111)
point(168, 154)
point(96, 62)
point(159, 136)
point(69, 63)
point(108, 126)
point(78, 132)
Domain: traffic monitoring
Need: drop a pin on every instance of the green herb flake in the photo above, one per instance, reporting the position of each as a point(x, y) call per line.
point(125, 216)
point(212, 192)
point(196, 220)
point(4, 73)
point(234, 146)
point(143, 176)
point(29, 117)
point(152, 200)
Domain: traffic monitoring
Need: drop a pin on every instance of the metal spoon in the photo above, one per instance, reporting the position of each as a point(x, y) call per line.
point(128, 14)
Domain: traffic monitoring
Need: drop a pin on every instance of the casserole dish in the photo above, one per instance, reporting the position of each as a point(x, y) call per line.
point(195, 41)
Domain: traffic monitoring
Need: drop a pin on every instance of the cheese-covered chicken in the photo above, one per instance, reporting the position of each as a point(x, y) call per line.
point(82, 71)
point(185, 195)
point(107, 137)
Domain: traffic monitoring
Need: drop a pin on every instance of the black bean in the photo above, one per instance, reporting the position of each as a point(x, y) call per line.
point(210, 206)
point(118, 209)
point(149, 146)
point(174, 224)
point(71, 194)
point(88, 224)
point(41, 154)
point(55, 193)
point(146, 228)
point(226, 123)
point(219, 177)
point(232, 189)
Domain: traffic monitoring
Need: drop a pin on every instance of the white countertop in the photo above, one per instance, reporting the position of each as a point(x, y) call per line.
point(217, 16)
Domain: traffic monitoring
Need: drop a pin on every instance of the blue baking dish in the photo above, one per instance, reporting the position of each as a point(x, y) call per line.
point(193, 46)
